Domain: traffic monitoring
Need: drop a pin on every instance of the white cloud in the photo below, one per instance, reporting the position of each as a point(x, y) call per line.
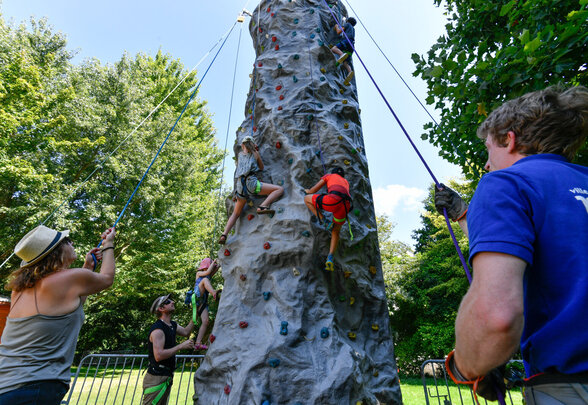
point(395, 199)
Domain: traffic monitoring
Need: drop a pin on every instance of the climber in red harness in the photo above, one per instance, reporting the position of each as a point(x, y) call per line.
point(337, 200)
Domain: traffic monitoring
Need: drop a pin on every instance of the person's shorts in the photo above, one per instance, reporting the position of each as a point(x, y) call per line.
point(253, 186)
point(344, 46)
point(336, 205)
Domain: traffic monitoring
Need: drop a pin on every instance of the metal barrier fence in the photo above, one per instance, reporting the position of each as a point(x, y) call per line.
point(441, 390)
point(117, 379)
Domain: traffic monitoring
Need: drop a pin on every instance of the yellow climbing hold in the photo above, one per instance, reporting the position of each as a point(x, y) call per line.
point(323, 70)
point(351, 301)
point(347, 162)
point(347, 274)
point(250, 203)
point(376, 373)
point(359, 403)
point(340, 137)
point(375, 327)
point(344, 101)
point(352, 335)
point(373, 270)
point(368, 226)
point(346, 125)
point(342, 91)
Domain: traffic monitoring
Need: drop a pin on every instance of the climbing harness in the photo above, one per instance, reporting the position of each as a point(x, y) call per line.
point(162, 388)
point(343, 198)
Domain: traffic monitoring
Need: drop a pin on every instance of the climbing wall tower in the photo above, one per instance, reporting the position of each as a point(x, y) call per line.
point(287, 331)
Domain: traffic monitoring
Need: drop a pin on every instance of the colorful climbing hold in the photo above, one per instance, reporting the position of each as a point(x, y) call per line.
point(227, 389)
point(312, 11)
point(373, 270)
point(375, 327)
point(296, 272)
point(260, 64)
point(340, 137)
point(344, 101)
point(277, 47)
point(351, 301)
point(250, 217)
point(260, 30)
point(294, 79)
point(269, 9)
point(347, 162)
point(325, 333)
point(354, 151)
point(273, 14)
point(254, 129)
point(262, 48)
point(281, 96)
point(243, 277)
point(310, 117)
point(309, 170)
point(290, 161)
point(294, 33)
point(376, 373)
point(273, 362)
point(267, 295)
point(356, 212)
point(323, 70)
point(278, 88)
point(278, 144)
point(296, 21)
point(279, 65)
point(284, 328)
point(306, 234)
point(281, 182)
point(321, 43)
point(352, 335)
point(347, 274)
point(227, 252)
point(266, 402)
point(267, 245)
point(318, 30)
point(243, 324)
point(212, 338)
point(281, 210)
point(342, 298)
point(342, 91)
point(280, 108)
point(312, 36)
point(346, 125)
point(296, 57)
point(250, 203)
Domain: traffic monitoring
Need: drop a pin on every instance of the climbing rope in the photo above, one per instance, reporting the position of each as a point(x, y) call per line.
point(437, 126)
point(109, 155)
point(220, 191)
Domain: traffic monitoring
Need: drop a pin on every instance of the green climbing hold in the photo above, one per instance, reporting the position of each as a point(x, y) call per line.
point(279, 65)
point(354, 151)
point(295, 79)
point(290, 161)
point(262, 48)
point(305, 234)
point(296, 21)
point(323, 78)
point(310, 117)
point(296, 57)
point(321, 43)
point(356, 212)
point(294, 33)
point(318, 30)
point(342, 298)
point(312, 11)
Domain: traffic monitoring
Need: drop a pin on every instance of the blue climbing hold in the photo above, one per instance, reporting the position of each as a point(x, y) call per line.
point(273, 362)
point(265, 403)
point(312, 36)
point(319, 105)
point(290, 161)
point(318, 153)
point(312, 11)
point(294, 79)
point(325, 333)
point(284, 328)
point(306, 234)
point(279, 65)
point(294, 33)
point(318, 30)
point(296, 21)
point(267, 295)
point(321, 43)
point(323, 78)
point(296, 57)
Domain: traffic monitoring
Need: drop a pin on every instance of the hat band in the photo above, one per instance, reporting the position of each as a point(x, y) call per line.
point(53, 242)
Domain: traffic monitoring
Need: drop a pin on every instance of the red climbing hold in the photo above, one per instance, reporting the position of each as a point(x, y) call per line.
point(273, 14)
point(260, 64)
point(254, 129)
point(269, 9)
point(212, 338)
point(278, 88)
point(250, 217)
point(277, 47)
point(243, 325)
point(227, 252)
point(274, 39)
point(267, 245)
point(280, 108)
point(227, 389)
point(281, 97)
point(243, 277)
point(260, 30)
point(278, 145)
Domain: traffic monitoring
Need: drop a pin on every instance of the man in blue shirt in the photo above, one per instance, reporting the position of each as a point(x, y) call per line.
point(528, 231)
point(344, 48)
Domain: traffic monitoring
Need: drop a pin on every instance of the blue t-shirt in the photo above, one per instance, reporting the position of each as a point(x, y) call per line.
point(350, 31)
point(537, 210)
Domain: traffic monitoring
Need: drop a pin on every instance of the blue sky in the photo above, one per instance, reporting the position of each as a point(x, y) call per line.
point(188, 29)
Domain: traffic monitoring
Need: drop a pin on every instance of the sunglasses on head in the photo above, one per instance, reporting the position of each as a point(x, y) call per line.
point(167, 301)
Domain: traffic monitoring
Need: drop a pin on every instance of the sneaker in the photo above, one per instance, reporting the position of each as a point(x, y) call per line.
point(329, 265)
point(348, 79)
point(342, 58)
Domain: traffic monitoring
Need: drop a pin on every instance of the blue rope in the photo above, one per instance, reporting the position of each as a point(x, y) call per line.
point(166, 138)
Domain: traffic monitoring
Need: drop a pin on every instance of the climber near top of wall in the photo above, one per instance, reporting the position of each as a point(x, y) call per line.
point(344, 48)
point(248, 164)
point(337, 200)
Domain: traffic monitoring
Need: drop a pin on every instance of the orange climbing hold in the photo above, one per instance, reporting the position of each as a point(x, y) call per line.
point(250, 217)
point(347, 274)
point(373, 270)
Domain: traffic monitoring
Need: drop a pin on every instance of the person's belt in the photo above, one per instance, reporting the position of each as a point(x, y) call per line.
point(556, 378)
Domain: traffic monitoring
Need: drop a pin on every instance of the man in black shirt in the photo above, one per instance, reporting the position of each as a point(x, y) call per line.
point(344, 47)
point(162, 351)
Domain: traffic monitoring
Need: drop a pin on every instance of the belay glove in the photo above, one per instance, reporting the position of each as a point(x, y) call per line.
point(447, 198)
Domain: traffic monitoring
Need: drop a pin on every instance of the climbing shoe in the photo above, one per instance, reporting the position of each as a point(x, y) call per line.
point(348, 79)
point(342, 58)
point(329, 265)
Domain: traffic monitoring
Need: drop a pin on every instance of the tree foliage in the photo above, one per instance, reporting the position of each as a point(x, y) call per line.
point(58, 122)
point(495, 51)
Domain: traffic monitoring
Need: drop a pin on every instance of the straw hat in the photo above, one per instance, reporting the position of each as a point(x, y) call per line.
point(205, 263)
point(37, 244)
point(157, 303)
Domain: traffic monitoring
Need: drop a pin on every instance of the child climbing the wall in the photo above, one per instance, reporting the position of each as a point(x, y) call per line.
point(337, 200)
point(247, 185)
point(206, 270)
point(344, 48)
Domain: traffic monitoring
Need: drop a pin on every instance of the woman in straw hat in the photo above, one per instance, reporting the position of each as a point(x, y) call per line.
point(46, 314)
point(248, 164)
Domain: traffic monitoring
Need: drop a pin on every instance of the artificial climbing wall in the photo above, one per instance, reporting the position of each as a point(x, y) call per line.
point(287, 331)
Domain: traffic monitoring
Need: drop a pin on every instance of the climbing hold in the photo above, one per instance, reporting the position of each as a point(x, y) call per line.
point(227, 252)
point(267, 245)
point(273, 362)
point(323, 78)
point(347, 162)
point(279, 65)
point(296, 21)
point(284, 328)
point(340, 137)
point(281, 210)
point(344, 101)
point(269, 9)
point(277, 48)
point(341, 91)
point(260, 30)
point(262, 48)
point(274, 39)
point(375, 327)
point(306, 234)
point(318, 153)
point(318, 30)
point(281, 96)
point(267, 295)
point(281, 182)
point(341, 298)
point(260, 64)
point(212, 338)
point(319, 105)
point(376, 373)
point(295, 79)
point(351, 301)
point(323, 70)
point(354, 151)
point(309, 170)
point(321, 43)
point(243, 324)
point(352, 335)
point(254, 129)
point(356, 212)
point(296, 57)
point(312, 11)
point(368, 226)
point(373, 270)
point(227, 389)
point(296, 272)
point(265, 402)
point(278, 144)
point(250, 217)
point(347, 274)
point(273, 14)
point(243, 277)
point(290, 161)
point(325, 333)
point(294, 33)
point(311, 36)
point(250, 203)
point(310, 117)
point(280, 108)
point(278, 88)
point(346, 125)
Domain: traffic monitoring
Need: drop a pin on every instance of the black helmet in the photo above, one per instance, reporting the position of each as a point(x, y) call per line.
point(351, 21)
point(338, 170)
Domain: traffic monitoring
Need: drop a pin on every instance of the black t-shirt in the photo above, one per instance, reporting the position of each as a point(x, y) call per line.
point(167, 366)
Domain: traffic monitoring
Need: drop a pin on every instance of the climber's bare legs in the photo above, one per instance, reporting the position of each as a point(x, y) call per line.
point(272, 191)
point(335, 237)
point(239, 204)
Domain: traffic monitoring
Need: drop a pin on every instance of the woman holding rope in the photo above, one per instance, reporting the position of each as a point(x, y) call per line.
point(46, 314)
point(248, 164)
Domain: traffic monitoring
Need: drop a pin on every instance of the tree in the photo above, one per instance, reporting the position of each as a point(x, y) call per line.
point(495, 51)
